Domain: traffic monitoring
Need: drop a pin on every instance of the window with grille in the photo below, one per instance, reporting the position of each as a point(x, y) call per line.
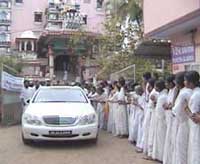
point(3, 4)
point(38, 17)
point(100, 4)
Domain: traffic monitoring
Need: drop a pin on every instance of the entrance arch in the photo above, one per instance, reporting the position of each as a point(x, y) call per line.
point(67, 63)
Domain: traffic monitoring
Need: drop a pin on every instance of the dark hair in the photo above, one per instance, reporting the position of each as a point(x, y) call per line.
point(100, 89)
point(122, 81)
point(193, 77)
point(26, 81)
point(114, 83)
point(179, 78)
point(151, 82)
point(155, 75)
point(170, 79)
point(160, 84)
point(147, 75)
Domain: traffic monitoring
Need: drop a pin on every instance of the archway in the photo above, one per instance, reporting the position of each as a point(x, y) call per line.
point(65, 63)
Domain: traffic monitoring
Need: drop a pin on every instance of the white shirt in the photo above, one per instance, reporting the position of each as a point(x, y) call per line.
point(26, 93)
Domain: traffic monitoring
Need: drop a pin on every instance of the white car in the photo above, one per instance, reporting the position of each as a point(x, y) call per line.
point(59, 113)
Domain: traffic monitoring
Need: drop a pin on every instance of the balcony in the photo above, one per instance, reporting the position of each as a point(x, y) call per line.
point(5, 21)
point(64, 17)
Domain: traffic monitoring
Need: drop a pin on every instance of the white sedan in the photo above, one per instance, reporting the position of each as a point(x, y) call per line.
point(59, 113)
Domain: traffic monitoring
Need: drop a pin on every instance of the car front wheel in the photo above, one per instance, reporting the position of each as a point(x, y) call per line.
point(26, 141)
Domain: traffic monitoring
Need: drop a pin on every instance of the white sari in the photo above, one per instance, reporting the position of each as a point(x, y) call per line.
point(194, 137)
point(160, 127)
point(180, 151)
point(152, 124)
point(112, 113)
point(147, 121)
point(121, 115)
point(167, 158)
point(141, 102)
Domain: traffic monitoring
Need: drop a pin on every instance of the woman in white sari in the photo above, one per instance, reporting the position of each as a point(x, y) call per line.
point(121, 110)
point(192, 82)
point(172, 95)
point(112, 109)
point(160, 122)
point(147, 119)
point(181, 134)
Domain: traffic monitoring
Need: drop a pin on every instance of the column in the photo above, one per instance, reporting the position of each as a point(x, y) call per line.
point(32, 46)
point(20, 46)
point(25, 46)
point(51, 62)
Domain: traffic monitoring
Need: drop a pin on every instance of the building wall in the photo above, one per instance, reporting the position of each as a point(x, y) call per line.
point(96, 16)
point(160, 12)
point(23, 17)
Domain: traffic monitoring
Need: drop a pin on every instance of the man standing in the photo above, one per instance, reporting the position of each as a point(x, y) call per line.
point(26, 94)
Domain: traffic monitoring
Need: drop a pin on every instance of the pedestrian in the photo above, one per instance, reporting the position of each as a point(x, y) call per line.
point(152, 105)
point(160, 121)
point(147, 119)
point(121, 123)
point(112, 97)
point(181, 133)
point(172, 95)
point(100, 99)
point(26, 94)
point(140, 107)
point(192, 82)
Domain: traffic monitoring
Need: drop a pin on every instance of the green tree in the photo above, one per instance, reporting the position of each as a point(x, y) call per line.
point(12, 62)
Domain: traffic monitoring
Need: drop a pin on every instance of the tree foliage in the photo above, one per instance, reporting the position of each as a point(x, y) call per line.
point(116, 62)
point(11, 61)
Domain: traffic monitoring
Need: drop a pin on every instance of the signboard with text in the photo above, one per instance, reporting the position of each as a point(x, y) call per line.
point(10, 82)
point(183, 54)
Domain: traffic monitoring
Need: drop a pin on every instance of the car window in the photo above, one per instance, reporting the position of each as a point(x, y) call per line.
point(60, 95)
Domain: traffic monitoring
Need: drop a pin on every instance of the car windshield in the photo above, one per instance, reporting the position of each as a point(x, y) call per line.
point(60, 95)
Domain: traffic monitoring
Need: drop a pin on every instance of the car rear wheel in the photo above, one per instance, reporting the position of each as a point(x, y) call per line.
point(26, 141)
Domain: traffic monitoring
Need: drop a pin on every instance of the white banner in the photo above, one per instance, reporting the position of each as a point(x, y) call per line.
point(11, 83)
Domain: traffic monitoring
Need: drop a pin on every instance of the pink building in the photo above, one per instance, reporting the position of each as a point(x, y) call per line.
point(178, 21)
point(41, 30)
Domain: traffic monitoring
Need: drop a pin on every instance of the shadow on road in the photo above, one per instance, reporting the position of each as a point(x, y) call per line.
point(63, 144)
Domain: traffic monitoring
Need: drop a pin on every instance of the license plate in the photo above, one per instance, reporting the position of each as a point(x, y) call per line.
point(60, 132)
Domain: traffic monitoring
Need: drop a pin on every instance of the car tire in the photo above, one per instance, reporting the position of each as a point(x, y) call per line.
point(26, 141)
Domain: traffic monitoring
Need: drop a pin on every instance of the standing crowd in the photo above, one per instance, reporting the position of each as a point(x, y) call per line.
point(160, 116)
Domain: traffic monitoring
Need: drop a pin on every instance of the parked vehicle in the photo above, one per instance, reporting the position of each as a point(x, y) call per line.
point(59, 113)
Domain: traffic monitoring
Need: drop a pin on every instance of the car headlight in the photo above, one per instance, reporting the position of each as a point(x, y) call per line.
point(32, 120)
point(87, 119)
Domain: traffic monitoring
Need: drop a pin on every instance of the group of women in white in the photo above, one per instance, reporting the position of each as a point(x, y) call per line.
point(162, 117)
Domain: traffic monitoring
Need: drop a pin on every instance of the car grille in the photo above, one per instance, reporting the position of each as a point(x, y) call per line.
point(56, 120)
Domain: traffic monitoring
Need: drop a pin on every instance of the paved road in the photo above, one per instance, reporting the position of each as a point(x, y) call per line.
point(109, 150)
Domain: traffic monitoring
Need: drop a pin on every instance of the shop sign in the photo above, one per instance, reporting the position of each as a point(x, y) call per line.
point(183, 54)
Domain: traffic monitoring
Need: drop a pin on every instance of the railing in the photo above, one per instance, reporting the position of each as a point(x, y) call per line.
point(5, 21)
point(5, 43)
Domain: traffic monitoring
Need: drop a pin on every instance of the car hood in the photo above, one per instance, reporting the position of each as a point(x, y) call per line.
point(60, 109)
